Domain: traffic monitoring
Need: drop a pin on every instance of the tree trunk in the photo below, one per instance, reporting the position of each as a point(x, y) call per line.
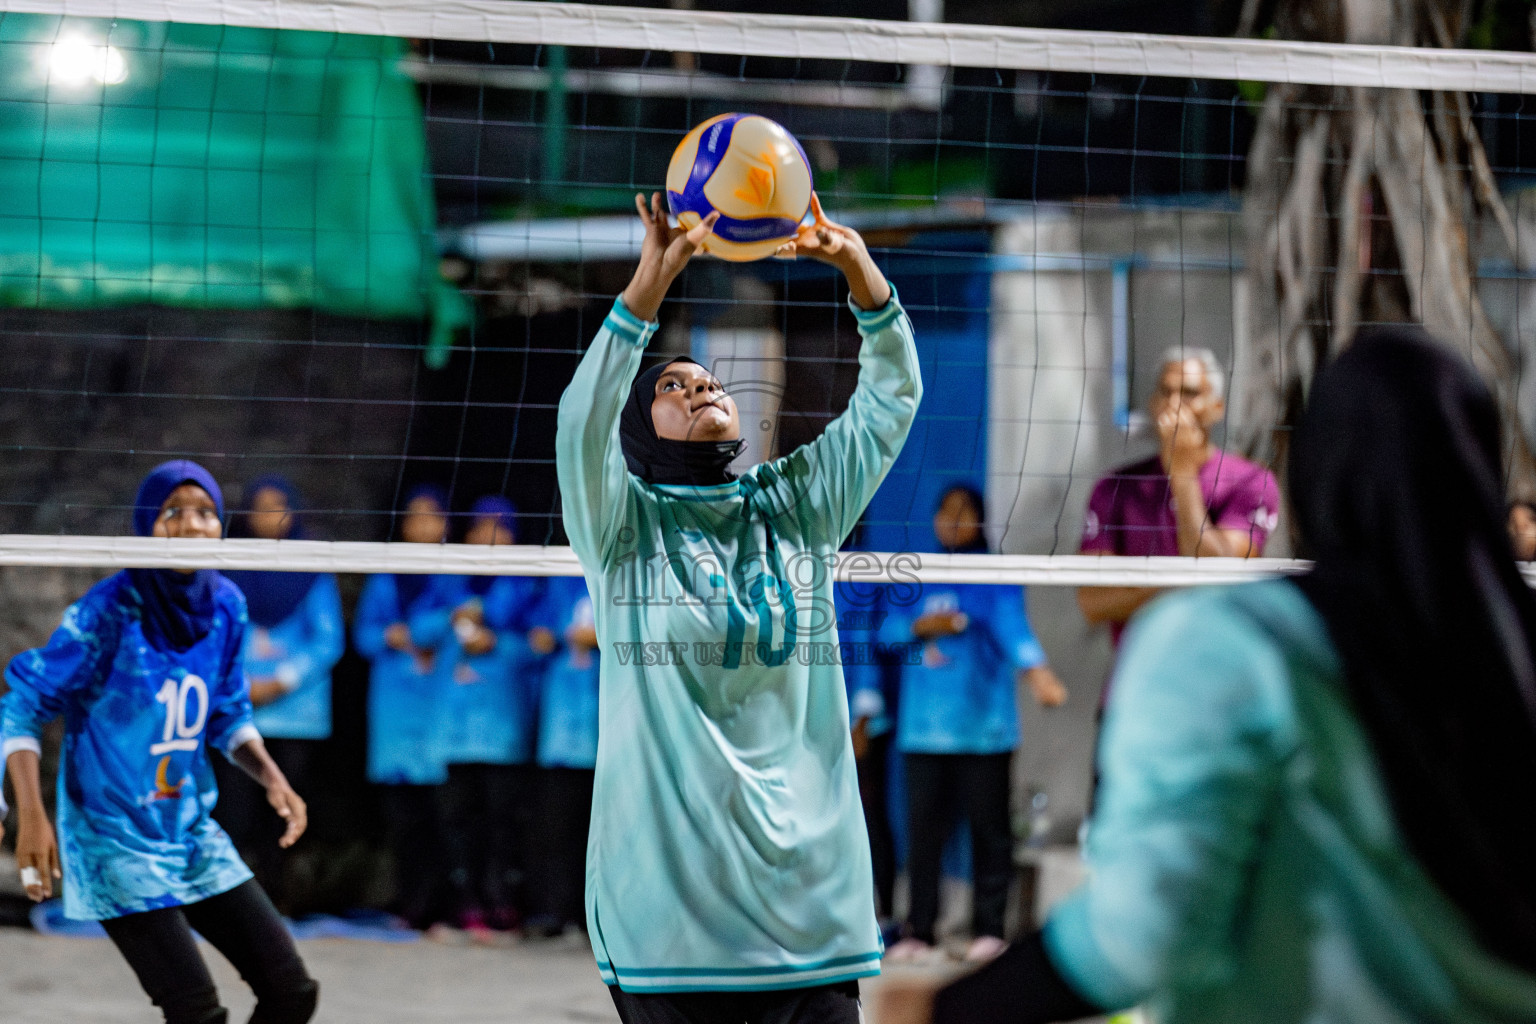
point(1358, 208)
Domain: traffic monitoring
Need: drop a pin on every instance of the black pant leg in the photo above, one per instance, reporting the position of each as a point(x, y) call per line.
point(929, 803)
point(984, 785)
point(567, 808)
point(874, 794)
point(462, 818)
point(411, 820)
point(243, 925)
point(822, 1004)
point(159, 946)
point(505, 811)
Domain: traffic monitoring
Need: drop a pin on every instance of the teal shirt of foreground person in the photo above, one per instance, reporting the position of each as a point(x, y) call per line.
point(728, 849)
point(1244, 860)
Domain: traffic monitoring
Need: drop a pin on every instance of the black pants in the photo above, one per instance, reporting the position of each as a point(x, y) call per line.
point(874, 794)
point(411, 821)
point(483, 811)
point(241, 924)
point(254, 827)
point(978, 785)
point(824, 1004)
point(565, 818)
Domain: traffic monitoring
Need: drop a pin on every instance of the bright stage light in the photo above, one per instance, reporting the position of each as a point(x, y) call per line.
point(78, 61)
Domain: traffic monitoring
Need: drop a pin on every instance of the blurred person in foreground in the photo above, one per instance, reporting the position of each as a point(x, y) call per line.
point(295, 637)
point(1191, 498)
point(1522, 530)
point(1318, 801)
point(958, 726)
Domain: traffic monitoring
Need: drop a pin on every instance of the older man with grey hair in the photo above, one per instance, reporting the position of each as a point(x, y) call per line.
point(1191, 498)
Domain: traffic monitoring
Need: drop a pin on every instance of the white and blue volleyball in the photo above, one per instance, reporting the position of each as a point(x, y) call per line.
point(753, 172)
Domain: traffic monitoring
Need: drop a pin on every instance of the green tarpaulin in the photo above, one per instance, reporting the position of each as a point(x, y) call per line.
point(214, 167)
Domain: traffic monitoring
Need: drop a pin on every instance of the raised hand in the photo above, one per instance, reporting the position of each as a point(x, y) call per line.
point(664, 252)
point(840, 246)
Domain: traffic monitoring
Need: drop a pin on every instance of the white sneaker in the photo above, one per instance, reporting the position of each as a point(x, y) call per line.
point(910, 951)
point(984, 948)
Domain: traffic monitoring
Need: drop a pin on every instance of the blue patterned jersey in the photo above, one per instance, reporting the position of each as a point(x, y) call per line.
point(135, 783)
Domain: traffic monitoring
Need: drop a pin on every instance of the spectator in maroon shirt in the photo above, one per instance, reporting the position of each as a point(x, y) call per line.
point(1191, 498)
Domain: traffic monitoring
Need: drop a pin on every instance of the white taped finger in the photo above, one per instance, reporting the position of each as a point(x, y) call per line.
point(30, 878)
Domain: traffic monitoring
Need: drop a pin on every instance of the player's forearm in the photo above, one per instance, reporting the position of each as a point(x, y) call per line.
point(866, 283)
point(1198, 536)
point(253, 759)
point(1115, 605)
point(26, 781)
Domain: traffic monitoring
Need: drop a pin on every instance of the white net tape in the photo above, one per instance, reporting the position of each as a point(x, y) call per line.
point(769, 35)
point(759, 35)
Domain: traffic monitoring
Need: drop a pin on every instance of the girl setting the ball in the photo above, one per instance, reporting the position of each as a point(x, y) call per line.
point(728, 871)
point(146, 670)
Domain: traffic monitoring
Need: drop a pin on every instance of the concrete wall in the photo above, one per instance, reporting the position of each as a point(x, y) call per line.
point(1053, 429)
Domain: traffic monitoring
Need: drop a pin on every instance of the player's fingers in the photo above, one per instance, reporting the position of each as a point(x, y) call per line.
point(786, 251)
point(645, 213)
point(696, 235)
point(816, 210)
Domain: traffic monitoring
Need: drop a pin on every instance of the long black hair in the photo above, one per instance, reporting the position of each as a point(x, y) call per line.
point(1395, 479)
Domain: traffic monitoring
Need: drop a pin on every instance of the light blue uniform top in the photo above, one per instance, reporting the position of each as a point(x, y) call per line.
point(728, 849)
point(299, 652)
point(406, 700)
point(489, 699)
point(568, 701)
point(135, 785)
point(1244, 863)
point(960, 697)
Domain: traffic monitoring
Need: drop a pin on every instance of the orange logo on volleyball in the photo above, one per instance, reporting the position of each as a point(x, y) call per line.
point(757, 185)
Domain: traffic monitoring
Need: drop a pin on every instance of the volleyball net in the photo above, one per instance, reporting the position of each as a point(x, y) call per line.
point(363, 245)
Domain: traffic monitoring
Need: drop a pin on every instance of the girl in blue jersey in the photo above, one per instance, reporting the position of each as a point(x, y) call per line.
point(488, 733)
point(146, 670)
point(398, 627)
point(958, 725)
point(295, 638)
point(567, 752)
point(728, 872)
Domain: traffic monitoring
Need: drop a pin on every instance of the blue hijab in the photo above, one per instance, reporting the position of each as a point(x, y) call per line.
point(177, 608)
point(410, 586)
point(271, 597)
point(492, 506)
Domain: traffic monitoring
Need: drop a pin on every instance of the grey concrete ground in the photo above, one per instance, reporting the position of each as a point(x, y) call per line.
point(83, 981)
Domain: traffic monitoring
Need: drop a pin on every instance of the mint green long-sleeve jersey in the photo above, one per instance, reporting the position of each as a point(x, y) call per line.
point(1245, 866)
point(728, 848)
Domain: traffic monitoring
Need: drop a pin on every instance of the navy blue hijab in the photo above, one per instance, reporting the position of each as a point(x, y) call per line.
point(492, 506)
point(271, 597)
point(177, 607)
point(978, 546)
point(410, 586)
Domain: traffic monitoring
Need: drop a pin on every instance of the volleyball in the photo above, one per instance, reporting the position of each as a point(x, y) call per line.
point(753, 172)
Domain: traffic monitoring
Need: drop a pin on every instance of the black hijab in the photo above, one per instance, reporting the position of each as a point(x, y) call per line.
point(978, 544)
point(1396, 484)
point(657, 460)
point(271, 597)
